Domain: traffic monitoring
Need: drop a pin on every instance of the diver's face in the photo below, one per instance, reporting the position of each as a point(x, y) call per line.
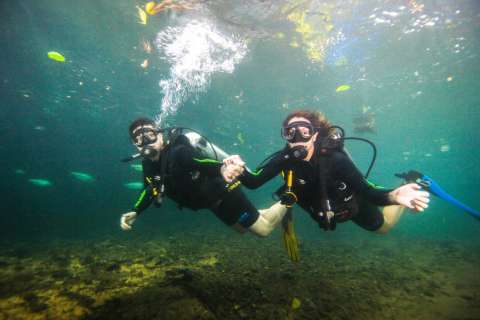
point(303, 128)
point(147, 136)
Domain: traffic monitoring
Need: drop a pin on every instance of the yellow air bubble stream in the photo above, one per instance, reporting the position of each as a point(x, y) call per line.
point(56, 56)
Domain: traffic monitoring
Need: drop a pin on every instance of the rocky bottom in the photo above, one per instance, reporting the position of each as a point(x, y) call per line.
point(201, 276)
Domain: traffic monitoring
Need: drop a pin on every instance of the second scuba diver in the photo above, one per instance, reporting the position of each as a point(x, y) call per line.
point(324, 181)
point(174, 165)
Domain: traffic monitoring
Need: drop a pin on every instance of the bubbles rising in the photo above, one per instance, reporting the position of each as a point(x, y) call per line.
point(195, 52)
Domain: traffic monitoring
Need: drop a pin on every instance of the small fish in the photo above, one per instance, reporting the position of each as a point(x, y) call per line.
point(82, 176)
point(134, 185)
point(40, 182)
point(342, 88)
point(364, 122)
point(240, 138)
point(56, 56)
point(144, 64)
point(142, 15)
point(149, 7)
point(340, 62)
point(392, 14)
point(147, 47)
point(19, 171)
point(39, 128)
point(137, 167)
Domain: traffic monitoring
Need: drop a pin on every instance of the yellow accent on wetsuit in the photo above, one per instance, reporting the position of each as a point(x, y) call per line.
point(234, 185)
point(289, 236)
point(290, 239)
point(154, 189)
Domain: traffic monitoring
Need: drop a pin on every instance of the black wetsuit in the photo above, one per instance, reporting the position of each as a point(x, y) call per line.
point(352, 197)
point(196, 183)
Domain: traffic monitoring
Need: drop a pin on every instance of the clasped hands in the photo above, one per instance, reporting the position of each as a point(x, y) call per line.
point(233, 167)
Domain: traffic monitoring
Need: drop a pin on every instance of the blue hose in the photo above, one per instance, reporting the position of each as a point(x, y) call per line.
point(435, 189)
point(431, 186)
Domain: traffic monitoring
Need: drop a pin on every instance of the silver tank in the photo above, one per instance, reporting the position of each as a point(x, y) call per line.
point(204, 147)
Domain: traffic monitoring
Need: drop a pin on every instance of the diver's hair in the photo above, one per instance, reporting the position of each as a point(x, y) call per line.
point(138, 123)
point(316, 118)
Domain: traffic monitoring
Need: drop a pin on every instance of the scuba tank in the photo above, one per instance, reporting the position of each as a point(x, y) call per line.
point(203, 146)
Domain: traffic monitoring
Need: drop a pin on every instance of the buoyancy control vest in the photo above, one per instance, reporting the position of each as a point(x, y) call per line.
point(189, 189)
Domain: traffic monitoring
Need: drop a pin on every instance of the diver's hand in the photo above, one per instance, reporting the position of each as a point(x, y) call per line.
point(127, 220)
point(231, 172)
point(233, 166)
point(234, 159)
point(411, 196)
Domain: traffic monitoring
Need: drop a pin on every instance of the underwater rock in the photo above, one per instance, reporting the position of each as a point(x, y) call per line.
point(180, 274)
point(113, 267)
point(187, 274)
point(161, 261)
point(82, 299)
point(34, 303)
point(60, 274)
point(288, 276)
point(467, 297)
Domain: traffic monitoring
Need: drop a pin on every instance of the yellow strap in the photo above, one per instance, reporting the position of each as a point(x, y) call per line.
point(290, 179)
point(290, 242)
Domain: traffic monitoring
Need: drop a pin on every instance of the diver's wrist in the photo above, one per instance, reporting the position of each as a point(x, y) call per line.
point(392, 197)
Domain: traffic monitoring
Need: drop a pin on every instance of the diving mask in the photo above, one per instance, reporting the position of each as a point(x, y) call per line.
point(298, 131)
point(144, 136)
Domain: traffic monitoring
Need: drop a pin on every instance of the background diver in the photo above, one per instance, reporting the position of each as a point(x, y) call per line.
point(325, 181)
point(174, 164)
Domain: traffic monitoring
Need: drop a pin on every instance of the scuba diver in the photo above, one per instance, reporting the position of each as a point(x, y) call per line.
point(186, 167)
point(321, 177)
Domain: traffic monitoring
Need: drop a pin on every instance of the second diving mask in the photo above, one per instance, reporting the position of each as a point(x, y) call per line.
point(144, 136)
point(298, 131)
